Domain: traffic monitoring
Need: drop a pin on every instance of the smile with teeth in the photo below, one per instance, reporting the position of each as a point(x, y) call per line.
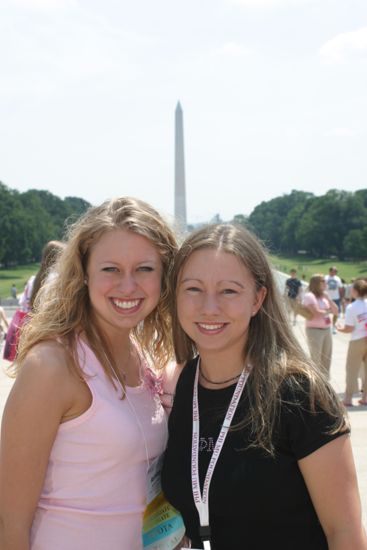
point(126, 304)
point(212, 327)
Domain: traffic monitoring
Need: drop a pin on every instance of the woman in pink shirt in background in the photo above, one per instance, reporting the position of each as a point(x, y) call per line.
point(318, 329)
point(84, 419)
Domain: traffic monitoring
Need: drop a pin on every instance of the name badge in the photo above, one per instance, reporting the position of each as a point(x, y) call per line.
point(163, 526)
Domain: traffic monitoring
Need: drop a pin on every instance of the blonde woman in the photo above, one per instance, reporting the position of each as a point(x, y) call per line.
point(318, 328)
point(83, 419)
point(259, 454)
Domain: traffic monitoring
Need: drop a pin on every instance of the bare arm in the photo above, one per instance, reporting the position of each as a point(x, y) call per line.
point(169, 380)
point(35, 407)
point(330, 476)
point(3, 317)
point(346, 328)
point(332, 305)
point(316, 310)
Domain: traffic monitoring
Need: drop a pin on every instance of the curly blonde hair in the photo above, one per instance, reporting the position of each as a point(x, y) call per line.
point(62, 308)
point(50, 253)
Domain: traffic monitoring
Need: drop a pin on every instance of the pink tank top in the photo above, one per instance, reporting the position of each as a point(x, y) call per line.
point(319, 320)
point(94, 492)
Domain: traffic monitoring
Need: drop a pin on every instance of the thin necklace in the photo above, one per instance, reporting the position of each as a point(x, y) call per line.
point(222, 382)
point(130, 404)
point(120, 374)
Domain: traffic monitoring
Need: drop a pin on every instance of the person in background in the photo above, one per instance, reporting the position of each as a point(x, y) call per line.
point(4, 324)
point(334, 287)
point(83, 420)
point(259, 454)
point(293, 288)
point(13, 291)
point(318, 328)
point(342, 296)
point(356, 325)
point(25, 298)
point(49, 255)
point(348, 292)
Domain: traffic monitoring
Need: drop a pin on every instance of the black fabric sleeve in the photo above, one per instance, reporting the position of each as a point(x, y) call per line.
point(305, 430)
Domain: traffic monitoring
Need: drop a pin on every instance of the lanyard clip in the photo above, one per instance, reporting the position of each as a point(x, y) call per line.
point(204, 532)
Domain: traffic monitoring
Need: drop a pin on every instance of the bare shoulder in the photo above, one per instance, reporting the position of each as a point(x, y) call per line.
point(47, 359)
point(45, 372)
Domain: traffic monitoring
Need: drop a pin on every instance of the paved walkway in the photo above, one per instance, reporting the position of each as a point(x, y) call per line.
point(358, 414)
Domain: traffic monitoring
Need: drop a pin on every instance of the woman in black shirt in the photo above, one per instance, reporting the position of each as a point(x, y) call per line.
point(259, 454)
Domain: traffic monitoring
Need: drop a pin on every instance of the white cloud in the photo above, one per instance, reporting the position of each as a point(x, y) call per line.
point(60, 51)
point(222, 62)
point(41, 5)
point(345, 46)
point(234, 49)
point(270, 4)
point(340, 132)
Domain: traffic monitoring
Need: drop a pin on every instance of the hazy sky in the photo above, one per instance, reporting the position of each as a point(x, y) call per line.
point(273, 92)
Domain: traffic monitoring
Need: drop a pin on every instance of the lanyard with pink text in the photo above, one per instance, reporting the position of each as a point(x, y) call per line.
point(202, 500)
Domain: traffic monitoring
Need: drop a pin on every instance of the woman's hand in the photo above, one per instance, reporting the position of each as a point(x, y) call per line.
point(346, 328)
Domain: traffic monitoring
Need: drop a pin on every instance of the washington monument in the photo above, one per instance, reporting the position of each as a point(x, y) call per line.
point(180, 189)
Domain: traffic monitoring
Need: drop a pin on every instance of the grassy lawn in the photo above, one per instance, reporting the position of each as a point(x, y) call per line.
point(309, 266)
point(18, 275)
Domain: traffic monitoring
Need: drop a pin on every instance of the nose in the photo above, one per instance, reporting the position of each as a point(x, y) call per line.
point(127, 284)
point(210, 305)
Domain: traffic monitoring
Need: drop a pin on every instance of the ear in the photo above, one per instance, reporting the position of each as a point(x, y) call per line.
point(259, 298)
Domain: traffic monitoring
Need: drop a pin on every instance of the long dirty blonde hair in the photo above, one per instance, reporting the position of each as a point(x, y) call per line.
point(62, 309)
point(50, 253)
point(271, 348)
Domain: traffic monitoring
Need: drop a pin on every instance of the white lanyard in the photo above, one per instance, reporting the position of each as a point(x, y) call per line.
point(202, 500)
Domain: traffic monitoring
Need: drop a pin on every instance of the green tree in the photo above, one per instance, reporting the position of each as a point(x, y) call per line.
point(76, 206)
point(275, 222)
point(355, 244)
point(240, 219)
point(28, 220)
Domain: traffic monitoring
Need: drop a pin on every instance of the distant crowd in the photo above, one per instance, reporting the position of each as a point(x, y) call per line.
point(325, 301)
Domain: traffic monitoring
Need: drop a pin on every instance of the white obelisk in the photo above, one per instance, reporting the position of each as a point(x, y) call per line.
point(180, 188)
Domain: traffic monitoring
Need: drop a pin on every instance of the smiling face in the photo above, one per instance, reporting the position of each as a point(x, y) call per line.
point(124, 273)
point(216, 299)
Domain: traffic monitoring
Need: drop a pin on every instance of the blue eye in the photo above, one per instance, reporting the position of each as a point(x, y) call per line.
point(193, 289)
point(146, 268)
point(110, 269)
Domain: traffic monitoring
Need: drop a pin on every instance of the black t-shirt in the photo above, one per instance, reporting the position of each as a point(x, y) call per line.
point(256, 501)
point(293, 285)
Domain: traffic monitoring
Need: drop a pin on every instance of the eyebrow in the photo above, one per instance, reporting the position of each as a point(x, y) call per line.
point(141, 262)
point(187, 279)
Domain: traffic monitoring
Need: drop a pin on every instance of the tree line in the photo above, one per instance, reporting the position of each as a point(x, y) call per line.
point(28, 220)
point(334, 224)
